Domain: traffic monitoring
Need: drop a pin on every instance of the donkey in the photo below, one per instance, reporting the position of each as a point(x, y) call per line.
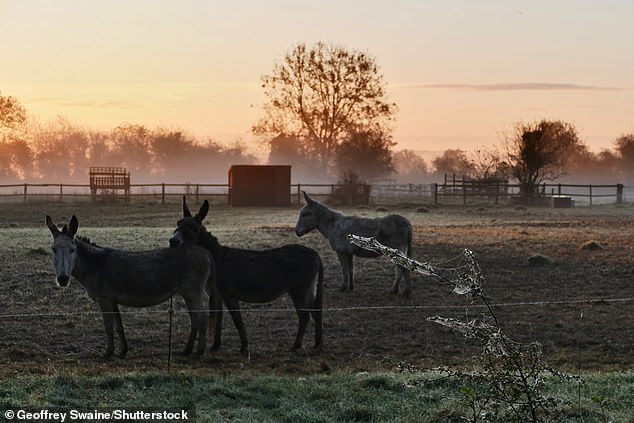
point(257, 277)
point(394, 231)
point(138, 279)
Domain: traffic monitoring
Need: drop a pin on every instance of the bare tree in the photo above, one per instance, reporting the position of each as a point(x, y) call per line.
point(15, 154)
point(12, 114)
point(486, 164)
point(537, 152)
point(322, 95)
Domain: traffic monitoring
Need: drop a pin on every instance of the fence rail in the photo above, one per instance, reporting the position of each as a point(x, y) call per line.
point(461, 192)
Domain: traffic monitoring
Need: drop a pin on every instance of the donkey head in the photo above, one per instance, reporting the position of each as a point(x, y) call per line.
point(189, 228)
point(64, 249)
point(308, 216)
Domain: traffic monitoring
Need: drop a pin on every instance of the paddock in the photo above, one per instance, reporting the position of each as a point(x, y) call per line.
point(578, 306)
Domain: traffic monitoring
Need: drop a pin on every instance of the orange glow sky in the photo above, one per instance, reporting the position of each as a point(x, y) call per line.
point(461, 72)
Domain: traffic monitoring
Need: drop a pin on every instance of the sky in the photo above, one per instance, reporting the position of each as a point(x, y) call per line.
point(462, 73)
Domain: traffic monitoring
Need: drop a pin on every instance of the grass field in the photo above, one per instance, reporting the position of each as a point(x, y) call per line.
point(579, 306)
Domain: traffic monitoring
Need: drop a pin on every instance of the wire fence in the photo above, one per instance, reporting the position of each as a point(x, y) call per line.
point(265, 309)
point(449, 192)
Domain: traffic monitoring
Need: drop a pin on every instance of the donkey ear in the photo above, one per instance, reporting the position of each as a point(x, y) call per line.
point(72, 226)
point(204, 209)
point(186, 212)
point(307, 198)
point(51, 226)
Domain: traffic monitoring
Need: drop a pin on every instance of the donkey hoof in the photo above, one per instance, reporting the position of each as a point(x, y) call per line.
point(107, 355)
point(123, 352)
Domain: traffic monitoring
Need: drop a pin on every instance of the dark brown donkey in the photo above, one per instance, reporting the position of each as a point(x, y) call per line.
point(257, 277)
point(135, 278)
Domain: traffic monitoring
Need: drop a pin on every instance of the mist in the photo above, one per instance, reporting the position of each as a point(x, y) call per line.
point(61, 152)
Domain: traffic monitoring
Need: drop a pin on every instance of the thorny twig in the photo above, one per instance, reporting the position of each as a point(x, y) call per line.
point(511, 372)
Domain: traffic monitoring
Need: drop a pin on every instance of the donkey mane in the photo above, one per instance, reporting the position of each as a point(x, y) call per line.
point(87, 240)
point(85, 244)
point(210, 242)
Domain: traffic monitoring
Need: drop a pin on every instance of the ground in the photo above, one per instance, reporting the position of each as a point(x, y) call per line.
point(579, 305)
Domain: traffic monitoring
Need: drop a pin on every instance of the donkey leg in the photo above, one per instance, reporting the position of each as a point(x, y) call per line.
point(318, 326)
point(203, 320)
point(215, 321)
point(198, 320)
point(189, 346)
point(347, 270)
point(198, 324)
point(107, 312)
point(234, 310)
point(397, 279)
point(303, 316)
point(120, 332)
point(407, 276)
point(403, 273)
point(316, 300)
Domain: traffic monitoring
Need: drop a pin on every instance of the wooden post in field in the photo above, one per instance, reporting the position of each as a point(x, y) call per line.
point(61, 192)
point(619, 194)
point(435, 186)
point(163, 193)
point(25, 189)
point(590, 189)
point(299, 194)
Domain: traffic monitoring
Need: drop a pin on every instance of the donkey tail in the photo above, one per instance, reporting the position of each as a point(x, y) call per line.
point(319, 298)
point(318, 303)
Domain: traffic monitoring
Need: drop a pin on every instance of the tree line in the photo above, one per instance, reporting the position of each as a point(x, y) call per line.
point(61, 151)
point(328, 115)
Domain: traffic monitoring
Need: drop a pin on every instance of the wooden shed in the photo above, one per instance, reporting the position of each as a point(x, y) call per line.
point(260, 185)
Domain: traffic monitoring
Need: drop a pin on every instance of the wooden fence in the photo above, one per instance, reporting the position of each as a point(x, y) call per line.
point(459, 193)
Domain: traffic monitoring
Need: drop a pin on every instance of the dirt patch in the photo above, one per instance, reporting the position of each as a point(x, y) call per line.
point(578, 309)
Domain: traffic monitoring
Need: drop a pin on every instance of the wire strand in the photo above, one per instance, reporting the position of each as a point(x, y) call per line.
point(338, 309)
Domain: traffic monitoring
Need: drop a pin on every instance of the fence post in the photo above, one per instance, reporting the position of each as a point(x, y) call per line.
point(61, 193)
point(464, 193)
point(435, 187)
point(590, 187)
point(559, 189)
point(299, 193)
point(619, 194)
point(25, 185)
point(197, 191)
point(163, 193)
